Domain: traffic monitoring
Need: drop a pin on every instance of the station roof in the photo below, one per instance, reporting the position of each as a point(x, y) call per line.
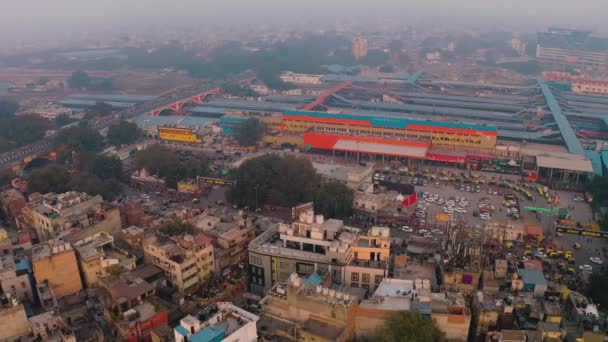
point(561, 161)
point(145, 121)
point(113, 97)
point(91, 103)
point(574, 146)
point(370, 145)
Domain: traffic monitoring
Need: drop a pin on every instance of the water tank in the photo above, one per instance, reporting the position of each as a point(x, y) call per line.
point(426, 284)
point(309, 217)
point(55, 249)
point(332, 293)
point(325, 291)
point(290, 231)
point(320, 219)
point(339, 295)
point(374, 231)
point(346, 296)
point(319, 288)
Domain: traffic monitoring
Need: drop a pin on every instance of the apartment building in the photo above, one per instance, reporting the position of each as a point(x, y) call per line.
point(188, 261)
point(15, 278)
point(309, 244)
point(311, 311)
point(231, 234)
point(52, 215)
point(13, 321)
point(56, 271)
point(228, 323)
point(370, 261)
point(99, 256)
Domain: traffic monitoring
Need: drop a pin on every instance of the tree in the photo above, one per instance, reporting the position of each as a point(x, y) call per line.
point(236, 89)
point(81, 139)
point(53, 178)
point(334, 200)
point(411, 327)
point(100, 109)
point(597, 288)
point(123, 133)
point(196, 166)
point(79, 80)
point(8, 107)
point(63, 120)
point(86, 182)
point(274, 180)
point(598, 188)
point(24, 129)
point(161, 162)
point(42, 81)
point(108, 167)
point(249, 132)
point(173, 228)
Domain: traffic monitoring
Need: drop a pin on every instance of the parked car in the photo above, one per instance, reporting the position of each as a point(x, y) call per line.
point(585, 268)
point(596, 260)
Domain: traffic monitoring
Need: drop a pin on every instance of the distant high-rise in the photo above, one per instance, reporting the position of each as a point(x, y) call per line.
point(359, 48)
point(572, 47)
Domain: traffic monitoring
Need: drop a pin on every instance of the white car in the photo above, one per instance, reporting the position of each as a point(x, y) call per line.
point(485, 216)
point(428, 235)
point(585, 268)
point(437, 231)
point(460, 210)
point(423, 231)
point(440, 201)
point(407, 229)
point(596, 260)
point(448, 210)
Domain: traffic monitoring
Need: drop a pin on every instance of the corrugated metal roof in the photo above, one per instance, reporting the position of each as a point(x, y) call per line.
point(532, 276)
point(575, 163)
point(574, 146)
point(378, 148)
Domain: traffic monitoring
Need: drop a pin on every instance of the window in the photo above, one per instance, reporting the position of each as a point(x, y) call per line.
point(356, 285)
point(302, 268)
point(354, 276)
point(365, 278)
point(378, 279)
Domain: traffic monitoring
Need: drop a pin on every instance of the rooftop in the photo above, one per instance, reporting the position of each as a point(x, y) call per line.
point(220, 326)
point(329, 332)
point(532, 276)
point(46, 249)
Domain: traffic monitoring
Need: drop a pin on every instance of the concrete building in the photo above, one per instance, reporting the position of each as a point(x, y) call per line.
point(12, 202)
point(136, 323)
point(99, 256)
point(229, 323)
point(15, 278)
point(357, 178)
point(312, 311)
point(231, 234)
point(52, 215)
point(308, 79)
point(370, 262)
point(309, 244)
point(560, 47)
point(451, 314)
point(56, 271)
point(46, 324)
point(359, 48)
point(13, 321)
point(530, 280)
point(188, 261)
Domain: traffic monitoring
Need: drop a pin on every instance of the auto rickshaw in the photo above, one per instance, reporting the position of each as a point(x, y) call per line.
point(571, 270)
point(577, 245)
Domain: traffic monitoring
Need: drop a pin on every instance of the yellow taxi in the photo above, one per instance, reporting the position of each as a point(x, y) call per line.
point(549, 250)
point(540, 249)
point(509, 244)
point(571, 270)
point(528, 246)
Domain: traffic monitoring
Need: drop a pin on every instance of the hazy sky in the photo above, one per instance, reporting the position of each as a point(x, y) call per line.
point(48, 15)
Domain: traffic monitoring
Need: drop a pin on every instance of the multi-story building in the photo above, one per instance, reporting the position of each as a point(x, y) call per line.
point(15, 278)
point(308, 79)
point(357, 178)
point(99, 256)
point(188, 261)
point(136, 323)
point(51, 215)
point(308, 244)
point(228, 323)
point(232, 235)
point(56, 271)
point(359, 48)
point(451, 314)
point(370, 262)
point(311, 311)
point(12, 202)
point(578, 48)
point(13, 321)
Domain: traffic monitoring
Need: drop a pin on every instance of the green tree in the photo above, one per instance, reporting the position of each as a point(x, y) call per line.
point(410, 327)
point(79, 80)
point(249, 132)
point(236, 89)
point(63, 120)
point(334, 200)
point(598, 188)
point(108, 167)
point(597, 288)
point(274, 180)
point(100, 109)
point(86, 182)
point(196, 166)
point(53, 178)
point(81, 139)
point(8, 107)
point(123, 133)
point(24, 129)
point(173, 228)
point(162, 162)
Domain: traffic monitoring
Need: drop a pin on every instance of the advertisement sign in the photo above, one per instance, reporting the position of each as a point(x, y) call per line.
point(582, 232)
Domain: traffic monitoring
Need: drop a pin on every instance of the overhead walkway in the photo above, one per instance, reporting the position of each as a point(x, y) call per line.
point(572, 142)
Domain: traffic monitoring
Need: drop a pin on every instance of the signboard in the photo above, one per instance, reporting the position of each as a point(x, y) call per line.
point(304, 207)
point(215, 181)
point(582, 232)
point(187, 187)
point(178, 134)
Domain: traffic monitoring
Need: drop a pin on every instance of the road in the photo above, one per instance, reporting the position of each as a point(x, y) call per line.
point(14, 157)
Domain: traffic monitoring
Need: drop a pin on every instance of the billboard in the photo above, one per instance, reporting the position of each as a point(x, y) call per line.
point(214, 181)
point(178, 134)
point(187, 187)
point(581, 232)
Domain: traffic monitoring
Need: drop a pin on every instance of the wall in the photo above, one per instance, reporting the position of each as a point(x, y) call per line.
point(21, 285)
point(13, 323)
point(455, 327)
point(61, 270)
